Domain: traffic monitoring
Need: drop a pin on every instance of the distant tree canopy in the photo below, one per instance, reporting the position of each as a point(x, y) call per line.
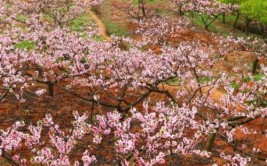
point(255, 9)
point(250, 11)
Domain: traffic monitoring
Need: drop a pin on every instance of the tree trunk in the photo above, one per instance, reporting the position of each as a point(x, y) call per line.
point(255, 65)
point(143, 10)
point(171, 151)
point(92, 111)
point(210, 142)
point(236, 21)
point(180, 10)
point(247, 26)
point(207, 27)
point(223, 18)
point(51, 89)
point(9, 159)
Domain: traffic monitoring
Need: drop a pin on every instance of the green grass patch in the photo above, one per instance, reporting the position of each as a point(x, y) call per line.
point(21, 17)
point(115, 29)
point(195, 18)
point(172, 81)
point(205, 80)
point(198, 21)
point(25, 45)
point(229, 19)
point(247, 79)
point(98, 38)
point(217, 26)
point(80, 22)
point(258, 77)
point(48, 18)
point(235, 85)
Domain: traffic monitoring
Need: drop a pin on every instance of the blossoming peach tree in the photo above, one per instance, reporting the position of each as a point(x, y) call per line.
point(207, 10)
point(135, 129)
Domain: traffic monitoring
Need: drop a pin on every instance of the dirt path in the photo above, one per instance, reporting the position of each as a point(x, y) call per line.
point(102, 28)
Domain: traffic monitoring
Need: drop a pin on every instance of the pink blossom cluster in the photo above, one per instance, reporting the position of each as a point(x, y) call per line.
point(159, 28)
point(145, 138)
point(60, 11)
